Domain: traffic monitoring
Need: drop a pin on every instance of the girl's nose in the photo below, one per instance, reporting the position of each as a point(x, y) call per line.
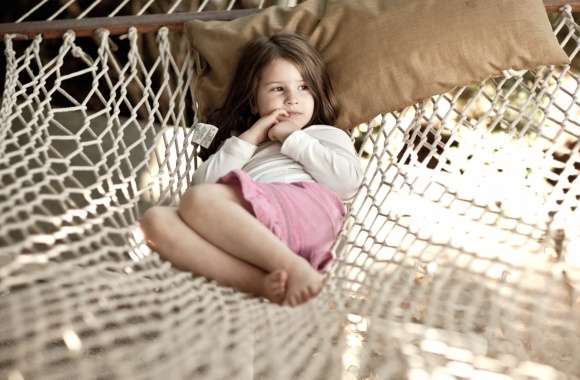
point(291, 99)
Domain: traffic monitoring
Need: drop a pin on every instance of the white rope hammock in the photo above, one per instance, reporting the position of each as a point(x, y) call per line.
point(460, 257)
point(140, 7)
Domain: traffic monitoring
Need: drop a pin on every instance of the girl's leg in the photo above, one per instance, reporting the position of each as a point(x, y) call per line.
point(186, 250)
point(220, 215)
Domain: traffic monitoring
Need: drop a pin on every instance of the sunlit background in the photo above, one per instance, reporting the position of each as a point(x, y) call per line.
point(470, 189)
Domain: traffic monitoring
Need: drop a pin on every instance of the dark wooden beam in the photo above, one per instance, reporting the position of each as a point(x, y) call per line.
point(152, 22)
point(116, 25)
point(554, 5)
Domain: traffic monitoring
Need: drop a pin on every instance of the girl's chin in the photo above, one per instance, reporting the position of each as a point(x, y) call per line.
point(298, 120)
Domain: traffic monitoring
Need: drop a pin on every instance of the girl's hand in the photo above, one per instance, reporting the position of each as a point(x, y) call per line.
point(282, 130)
point(258, 133)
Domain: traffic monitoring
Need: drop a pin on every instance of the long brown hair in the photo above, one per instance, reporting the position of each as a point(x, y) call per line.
point(236, 114)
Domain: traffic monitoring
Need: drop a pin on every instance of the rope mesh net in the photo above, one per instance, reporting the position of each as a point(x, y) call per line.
point(459, 258)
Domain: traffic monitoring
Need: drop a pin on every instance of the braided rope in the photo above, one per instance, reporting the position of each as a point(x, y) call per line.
point(458, 257)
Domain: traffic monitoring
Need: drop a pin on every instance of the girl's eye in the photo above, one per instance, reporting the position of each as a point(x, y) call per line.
point(277, 89)
point(304, 87)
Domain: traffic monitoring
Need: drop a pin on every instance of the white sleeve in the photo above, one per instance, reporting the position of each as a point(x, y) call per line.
point(329, 158)
point(233, 154)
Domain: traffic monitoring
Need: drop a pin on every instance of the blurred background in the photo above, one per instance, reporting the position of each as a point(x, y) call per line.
point(35, 10)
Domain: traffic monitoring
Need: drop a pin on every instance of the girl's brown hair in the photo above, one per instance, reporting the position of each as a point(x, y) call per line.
point(236, 114)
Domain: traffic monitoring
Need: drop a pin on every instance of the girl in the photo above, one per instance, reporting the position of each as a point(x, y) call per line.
point(267, 206)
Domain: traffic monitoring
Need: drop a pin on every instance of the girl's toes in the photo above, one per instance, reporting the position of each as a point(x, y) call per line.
point(294, 300)
point(312, 291)
point(298, 298)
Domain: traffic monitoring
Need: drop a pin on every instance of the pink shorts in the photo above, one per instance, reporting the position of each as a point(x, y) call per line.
point(305, 215)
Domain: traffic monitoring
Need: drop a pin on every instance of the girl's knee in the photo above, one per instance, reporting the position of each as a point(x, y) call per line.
point(193, 198)
point(199, 201)
point(203, 196)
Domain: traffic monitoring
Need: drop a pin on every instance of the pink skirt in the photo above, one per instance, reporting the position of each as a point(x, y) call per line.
point(306, 216)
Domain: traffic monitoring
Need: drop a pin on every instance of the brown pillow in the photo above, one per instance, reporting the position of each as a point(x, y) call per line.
point(385, 55)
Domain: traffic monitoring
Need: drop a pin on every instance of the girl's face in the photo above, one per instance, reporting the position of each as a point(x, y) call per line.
point(281, 86)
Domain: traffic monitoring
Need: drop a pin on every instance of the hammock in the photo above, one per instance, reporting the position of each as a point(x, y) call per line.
point(459, 259)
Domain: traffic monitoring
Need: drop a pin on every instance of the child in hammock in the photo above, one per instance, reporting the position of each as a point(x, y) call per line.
point(268, 204)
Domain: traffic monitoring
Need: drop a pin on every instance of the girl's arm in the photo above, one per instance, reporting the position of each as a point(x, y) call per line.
point(328, 155)
point(237, 151)
point(233, 154)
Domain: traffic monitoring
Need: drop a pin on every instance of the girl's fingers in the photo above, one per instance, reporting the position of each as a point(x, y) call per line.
point(277, 116)
point(274, 115)
point(272, 119)
point(282, 112)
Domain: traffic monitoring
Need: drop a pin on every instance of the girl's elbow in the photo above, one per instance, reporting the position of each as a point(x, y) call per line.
point(351, 187)
point(348, 192)
point(347, 184)
point(347, 189)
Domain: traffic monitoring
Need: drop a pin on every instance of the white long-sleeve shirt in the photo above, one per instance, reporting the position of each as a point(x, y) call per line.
point(319, 153)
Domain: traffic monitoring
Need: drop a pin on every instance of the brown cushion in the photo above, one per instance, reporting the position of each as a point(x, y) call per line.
point(385, 55)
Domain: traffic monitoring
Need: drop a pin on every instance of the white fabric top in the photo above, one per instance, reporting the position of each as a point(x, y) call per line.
point(319, 153)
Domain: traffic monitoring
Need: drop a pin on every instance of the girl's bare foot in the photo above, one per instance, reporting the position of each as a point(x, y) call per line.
point(303, 283)
point(275, 286)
